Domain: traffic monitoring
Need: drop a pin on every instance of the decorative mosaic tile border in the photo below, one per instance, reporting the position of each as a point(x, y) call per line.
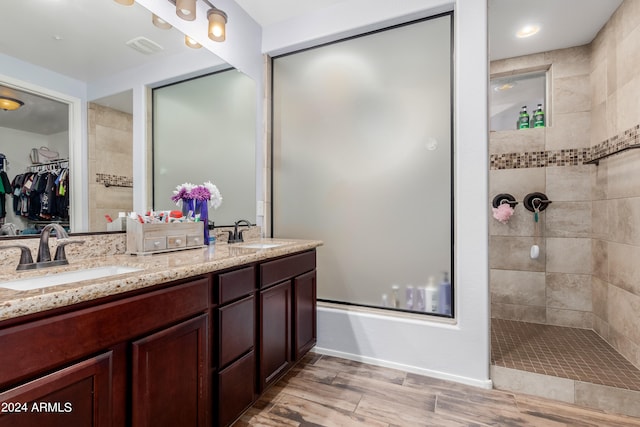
point(114, 180)
point(630, 138)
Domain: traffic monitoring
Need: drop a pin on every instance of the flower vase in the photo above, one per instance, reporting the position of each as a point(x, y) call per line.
point(187, 205)
point(202, 209)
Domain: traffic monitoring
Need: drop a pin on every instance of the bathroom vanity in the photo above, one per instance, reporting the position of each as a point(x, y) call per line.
point(183, 342)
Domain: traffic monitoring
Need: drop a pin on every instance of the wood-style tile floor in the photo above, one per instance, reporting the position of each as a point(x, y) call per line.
point(329, 391)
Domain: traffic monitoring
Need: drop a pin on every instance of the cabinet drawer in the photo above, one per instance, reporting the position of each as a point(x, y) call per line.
point(273, 272)
point(235, 284)
point(236, 389)
point(236, 323)
point(195, 239)
point(177, 241)
point(155, 243)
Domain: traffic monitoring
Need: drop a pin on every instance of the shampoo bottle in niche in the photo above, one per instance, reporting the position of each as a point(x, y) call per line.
point(444, 296)
point(431, 296)
point(523, 119)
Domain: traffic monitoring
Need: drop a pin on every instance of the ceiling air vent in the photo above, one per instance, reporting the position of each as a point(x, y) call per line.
point(144, 45)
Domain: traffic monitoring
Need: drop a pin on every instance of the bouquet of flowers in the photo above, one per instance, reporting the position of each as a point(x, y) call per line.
point(187, 191)
point(193, 198)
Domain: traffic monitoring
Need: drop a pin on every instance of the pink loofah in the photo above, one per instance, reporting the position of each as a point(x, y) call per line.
point(503, 212)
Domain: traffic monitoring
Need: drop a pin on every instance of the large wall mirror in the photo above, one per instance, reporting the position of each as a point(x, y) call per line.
point(70, 50)
point(204, 130)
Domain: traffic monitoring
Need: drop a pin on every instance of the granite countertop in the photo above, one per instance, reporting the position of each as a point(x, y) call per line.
point(155, 269)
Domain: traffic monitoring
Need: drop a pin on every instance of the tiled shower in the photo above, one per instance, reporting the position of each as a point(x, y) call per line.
point(589, 237)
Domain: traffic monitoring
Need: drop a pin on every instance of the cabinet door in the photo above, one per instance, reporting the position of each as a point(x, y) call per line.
point(79, 395)
point(304, 313)
point(169, 376)
point(275, 332)
point(237, 333)
point(236, 384)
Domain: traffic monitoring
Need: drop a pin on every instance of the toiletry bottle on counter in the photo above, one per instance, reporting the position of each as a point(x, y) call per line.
point(444, 296)
point(431, 296)
point(395, 301)
point(419, 304)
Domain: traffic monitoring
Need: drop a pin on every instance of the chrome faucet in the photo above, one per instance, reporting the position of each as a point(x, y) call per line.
point(236, 237)
point(44, 254)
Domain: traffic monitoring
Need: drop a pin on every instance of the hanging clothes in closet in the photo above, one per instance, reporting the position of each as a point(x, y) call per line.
point(5, 187)
point(42, 195)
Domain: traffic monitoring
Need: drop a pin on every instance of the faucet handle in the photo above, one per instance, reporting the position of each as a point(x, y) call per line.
point(62, 243)
point(25, 256)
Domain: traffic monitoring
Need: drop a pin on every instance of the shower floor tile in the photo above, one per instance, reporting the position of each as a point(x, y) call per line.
point(577, 354)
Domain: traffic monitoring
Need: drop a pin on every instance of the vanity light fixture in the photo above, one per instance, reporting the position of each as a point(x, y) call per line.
point(527, 31)
point(217, 24)
point(191, 42)
point(186, 9)
point(125, 2)
point(10, 104)
point(160, 23)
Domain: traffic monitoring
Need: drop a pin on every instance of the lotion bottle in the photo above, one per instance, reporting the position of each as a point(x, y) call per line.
point(431, 296)
point(444, 296)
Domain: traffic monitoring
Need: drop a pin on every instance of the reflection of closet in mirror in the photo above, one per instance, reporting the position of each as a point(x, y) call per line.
point(36, 133)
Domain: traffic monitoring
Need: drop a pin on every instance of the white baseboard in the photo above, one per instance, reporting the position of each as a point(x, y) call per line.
point(407, 368)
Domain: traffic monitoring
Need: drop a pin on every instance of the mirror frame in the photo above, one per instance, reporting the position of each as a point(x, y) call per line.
point(78, 214)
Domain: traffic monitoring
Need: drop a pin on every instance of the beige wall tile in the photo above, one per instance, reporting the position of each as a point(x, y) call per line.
point(601, 327)
point(623, 174)
point(600, 127)
point(624, 216)
point(523, 313)
point(569, 130)
point(626, 347)
point(627, 55)
point(520, 224)
point(570, 318)
point(569, 291)
point(518, 64)
point(600, 220)
point(600, 259)
point(623, 308)
point(573, 61)
point(569, 183)
point(571, 94)
point(113, 141)
point(568, 255)
point(517, 182)
point(608, 398)
point(628, 105)
point(598, 82)
point(510, 141)
point(567, 219)
point(599, 180)
point(517, 287)
point(599, 291)
point(513, 253)
point(555, 388)
point(623, 266)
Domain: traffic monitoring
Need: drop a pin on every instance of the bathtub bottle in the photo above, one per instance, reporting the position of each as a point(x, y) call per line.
point(538, 117)
point(444, 296)
point(523, 120)
point(431, 296)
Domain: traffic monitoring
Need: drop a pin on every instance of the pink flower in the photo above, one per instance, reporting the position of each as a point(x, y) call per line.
point(503, 212)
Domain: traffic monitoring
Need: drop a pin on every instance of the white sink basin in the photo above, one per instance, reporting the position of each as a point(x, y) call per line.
point(259, 245)
point(66, 277)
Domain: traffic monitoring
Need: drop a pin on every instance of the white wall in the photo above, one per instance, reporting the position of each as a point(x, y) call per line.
point(458, 351)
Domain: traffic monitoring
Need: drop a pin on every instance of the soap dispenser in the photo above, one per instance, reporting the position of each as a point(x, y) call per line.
point(444, 296)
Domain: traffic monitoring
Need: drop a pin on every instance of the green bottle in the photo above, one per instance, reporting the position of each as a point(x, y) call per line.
point(538, 117)
point(523, 121)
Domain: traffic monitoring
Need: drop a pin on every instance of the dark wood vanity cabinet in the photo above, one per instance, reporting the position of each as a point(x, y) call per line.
point(287, 314)
point(136, 361)
point(191, 353)
point(235, 390)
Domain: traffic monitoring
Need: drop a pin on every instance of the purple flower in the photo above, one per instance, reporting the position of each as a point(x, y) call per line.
point(200, 192)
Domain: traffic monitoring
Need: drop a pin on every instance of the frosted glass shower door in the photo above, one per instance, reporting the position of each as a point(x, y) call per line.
point(362, 150)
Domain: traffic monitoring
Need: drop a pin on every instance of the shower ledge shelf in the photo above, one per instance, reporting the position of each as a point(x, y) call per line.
point(596, 161)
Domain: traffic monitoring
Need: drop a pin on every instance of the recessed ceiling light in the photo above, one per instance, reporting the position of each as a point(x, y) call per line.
point(527, 31)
